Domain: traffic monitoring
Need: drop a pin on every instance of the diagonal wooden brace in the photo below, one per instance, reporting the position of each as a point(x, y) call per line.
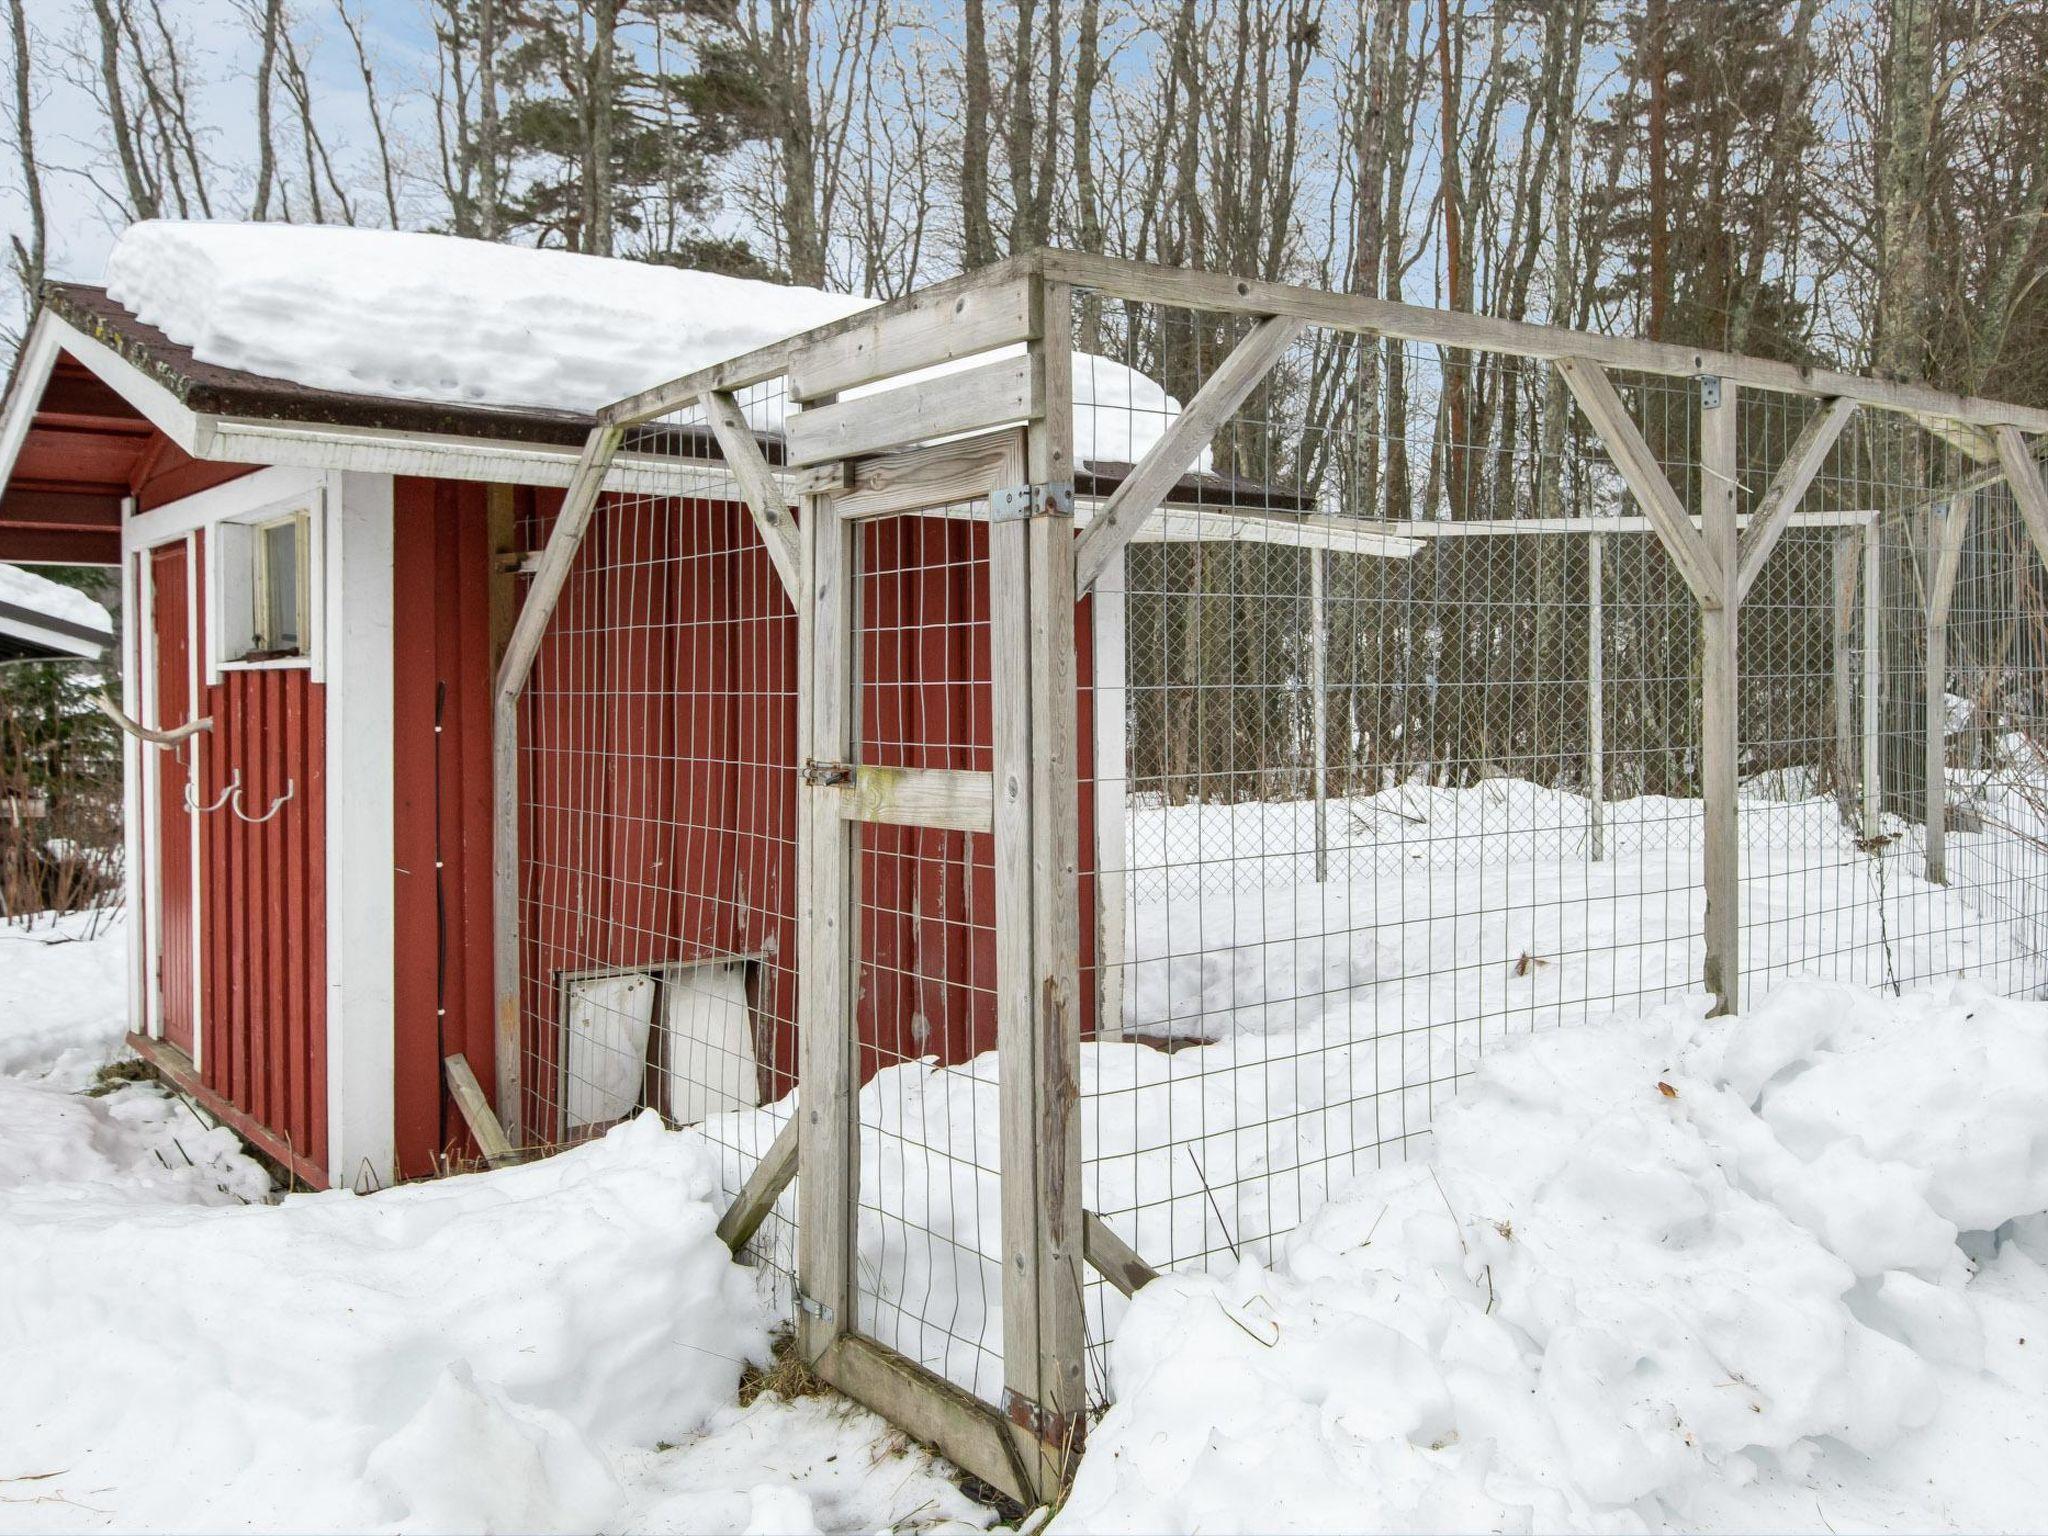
point(1594, 391)
point(749, 466)
point(1781, 498)
point(1175, 453)
point(2023, 472)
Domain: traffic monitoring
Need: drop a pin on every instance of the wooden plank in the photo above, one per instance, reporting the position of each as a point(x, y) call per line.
point(938, 475)
point(957, 800)
point(1587, 527)
point(1357, 313)
point(953, 1422)
point(1147, 485)
point(988, 395)
point(828, 1112)
point(1719, 702)
point(764, 1186)
point(764, 495)
point(476, 1111)
point(1781, 497)
point(931, 328)
point(1639, 468)
point(1109, 610)
point(1056, 995)
point(2023, 474)
point(1954, 526)
point(1279, 529)
point(1847, 554)
point(772, 361)
point(1113, 1258)
point(557, 557)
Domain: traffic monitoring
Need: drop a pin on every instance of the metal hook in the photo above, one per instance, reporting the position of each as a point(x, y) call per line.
point(290, 788)
point(234, 787)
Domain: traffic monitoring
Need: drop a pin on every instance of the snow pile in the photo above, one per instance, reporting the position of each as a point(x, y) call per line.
point(52, 599)
point(1781, 1272)
point(469, 322)
point(62, 1009)
point(433, 317)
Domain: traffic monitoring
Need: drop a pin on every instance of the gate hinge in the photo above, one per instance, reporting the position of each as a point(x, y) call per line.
point(1710, 391)
point(1015, 502)
point(810, 1308)
point(817, 773)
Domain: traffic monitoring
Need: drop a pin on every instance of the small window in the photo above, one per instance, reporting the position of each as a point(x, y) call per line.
point(265, 586)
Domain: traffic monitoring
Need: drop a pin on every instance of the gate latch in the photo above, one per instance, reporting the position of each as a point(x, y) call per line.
point(817, 773)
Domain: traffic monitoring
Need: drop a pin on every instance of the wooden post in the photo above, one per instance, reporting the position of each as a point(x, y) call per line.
point(1031, 603)
point(1110, 608)
point(1947, 526)
point(1873, 677)
point(1319, 701)
point(828, 1136)
point(1596, 695)
point(1719, 730)
point(1847, 550)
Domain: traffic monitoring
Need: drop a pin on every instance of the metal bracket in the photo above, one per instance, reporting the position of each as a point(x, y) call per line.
point(1055, 1429)
point(1014, 503)
point(1710, 391)
point(819, 774)
point(810, 1308)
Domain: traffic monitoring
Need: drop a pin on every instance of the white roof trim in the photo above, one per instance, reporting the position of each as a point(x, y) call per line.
point(312, 445)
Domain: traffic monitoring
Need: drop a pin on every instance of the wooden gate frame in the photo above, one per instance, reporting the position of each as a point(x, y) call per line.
point(850, 456)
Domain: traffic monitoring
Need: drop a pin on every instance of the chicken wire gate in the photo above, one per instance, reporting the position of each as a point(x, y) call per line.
point(1079, 758)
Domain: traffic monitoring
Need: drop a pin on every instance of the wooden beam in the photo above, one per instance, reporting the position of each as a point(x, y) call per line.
point(764, 496)
point(764, 1186)
point(939, 475)
point(827, 935)
point(1948, 559)
point(1113, 1258)
point(988, 395)
point(1596, 697)
point(1873, 679)
point(930, 329)
point(2023, 474)
point(1774, 512)
point(931, 1410)
point(1220, 293)
point(1148, 484)
point(476, 1111)
point(557, 556)
point(1848, 551)
point(1285, 529)
point(1639, 468)
point(1584, 527)
point(957, 800)
point(1720, 703)
point(772, 361)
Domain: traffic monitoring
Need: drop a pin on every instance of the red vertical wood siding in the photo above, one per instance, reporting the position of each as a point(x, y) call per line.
point(443, 670)
point(264, 931)
point(658, 783)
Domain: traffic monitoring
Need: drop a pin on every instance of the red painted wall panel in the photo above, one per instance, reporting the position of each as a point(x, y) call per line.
point(442, 648)
point(265, 923)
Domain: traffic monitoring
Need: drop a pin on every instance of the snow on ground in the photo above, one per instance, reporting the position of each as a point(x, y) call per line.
point(550, 1347)
point(470, 322)
point(1780, 1273)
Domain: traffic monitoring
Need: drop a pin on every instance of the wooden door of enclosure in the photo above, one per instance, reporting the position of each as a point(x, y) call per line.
point(172, 647)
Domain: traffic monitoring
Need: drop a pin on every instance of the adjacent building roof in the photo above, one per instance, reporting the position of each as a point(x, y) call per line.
point(44, 620)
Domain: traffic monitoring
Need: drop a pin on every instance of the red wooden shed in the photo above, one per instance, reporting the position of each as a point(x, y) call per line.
point(321, 560)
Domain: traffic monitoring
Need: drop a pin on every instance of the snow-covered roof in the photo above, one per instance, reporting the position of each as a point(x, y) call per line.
point(43, 620)
point(472, 323)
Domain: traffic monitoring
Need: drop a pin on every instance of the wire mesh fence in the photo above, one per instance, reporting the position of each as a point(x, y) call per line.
point(1393, 742)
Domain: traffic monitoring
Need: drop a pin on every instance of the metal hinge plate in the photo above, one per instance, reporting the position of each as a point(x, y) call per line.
point(810, 1308)
point(822, 773)
point(1014, 503)
point(1710, 391)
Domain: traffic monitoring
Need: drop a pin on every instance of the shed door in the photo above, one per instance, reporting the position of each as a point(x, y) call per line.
point(171, 647)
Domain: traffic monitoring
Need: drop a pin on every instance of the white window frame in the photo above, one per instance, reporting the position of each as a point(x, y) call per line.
point(311, 506)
